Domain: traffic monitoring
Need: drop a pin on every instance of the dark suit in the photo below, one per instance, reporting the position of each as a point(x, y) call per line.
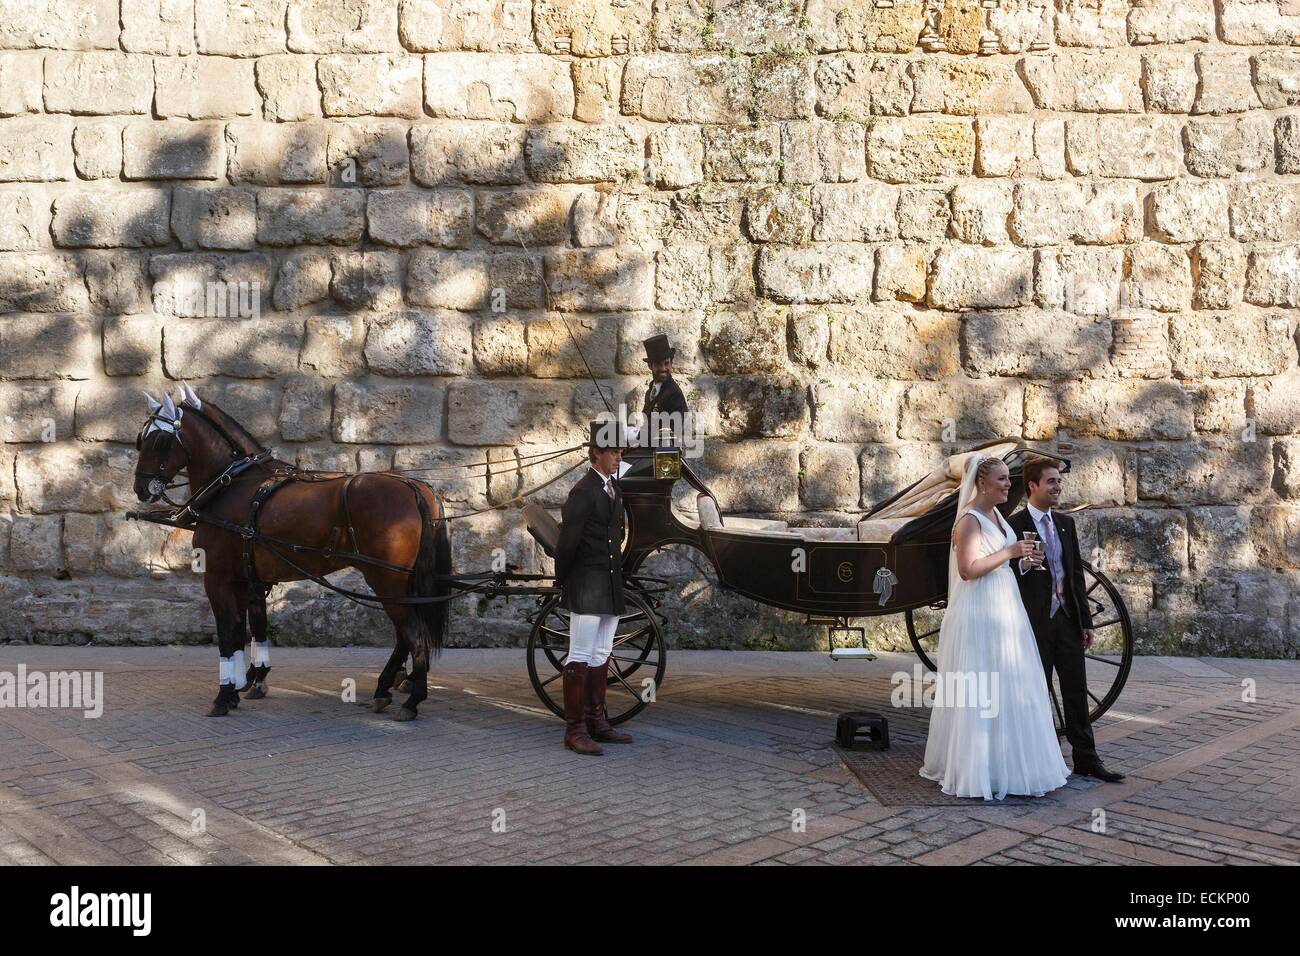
point(1060, 637)
point(669, 400)
point(589, 558)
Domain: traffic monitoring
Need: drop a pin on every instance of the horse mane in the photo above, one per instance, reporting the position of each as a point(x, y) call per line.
point(248, 444)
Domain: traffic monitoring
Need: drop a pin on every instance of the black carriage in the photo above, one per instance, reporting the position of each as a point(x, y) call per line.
point(894, 560)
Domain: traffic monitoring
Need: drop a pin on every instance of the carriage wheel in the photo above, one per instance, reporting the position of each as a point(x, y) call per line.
point(1114, 640)
point(638, 643)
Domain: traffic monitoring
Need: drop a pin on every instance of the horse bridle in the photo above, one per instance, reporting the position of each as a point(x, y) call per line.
point(159, 483)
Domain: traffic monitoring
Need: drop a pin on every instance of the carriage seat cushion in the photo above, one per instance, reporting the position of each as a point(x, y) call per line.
point(827, 534)
point(711, 520)
point(544, 528)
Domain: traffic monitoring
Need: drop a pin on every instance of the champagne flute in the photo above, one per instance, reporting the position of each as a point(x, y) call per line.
point(1032, 536)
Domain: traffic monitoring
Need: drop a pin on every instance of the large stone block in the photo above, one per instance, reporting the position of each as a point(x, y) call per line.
point(968, 87)
point(406, 218)
point(857, 212)
point(34, 543)
point(1124, 147)
point(510, 88)
point(1264, 210)
point(333, 345)
point(288, 217)
point(760, 476)
point(856, 411)
point(1220, 148)
point(1274, 403)
point(577, 154)
point(920, 149)
point(103, 220)
point(97, 148)
point(480, 152)
point(239, 348)
point(26, 24)
point(35, 150)
point(429, 26)
point(1108, 82)
point(1212, 470)
point(1125, 410)
point(371, 85)
point(289, 88)
point(68, 477)
point(1273, 277)
point(420, 343)
point(210, 285)
point(366, 280)
point(1058, 213)
point(600, 279)
point(854, 86)
point(1170, 21)
point(240, 27)
point(204, 87)
point(666, 88)
point(552, 352)
point(470, 281)
point(268, 154)
point(33, 412)
point(970, 277)
point(527, 219)
point(1101, 476)
point(1221, 344)
point(98, 83)
point(500, 346)
point(214, 218)
point(829, 272)
point(509, 412)
point(1152, 541)
point(1034, 343)
point(828, 477)
point(118, 280)
point(132, 345)
point(1225, 85)
point(370, 154)
point(1188, 211)
point(962, 408)
point(20, 83)
point(744, 344)
point(24, 219)
point(388, 412)
point(342, 26)
point(42, 282)
point(742, 153)
point(174, 151)
point(889, 343)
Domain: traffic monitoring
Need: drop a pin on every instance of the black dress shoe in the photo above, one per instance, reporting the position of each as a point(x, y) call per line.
point(1095, 769)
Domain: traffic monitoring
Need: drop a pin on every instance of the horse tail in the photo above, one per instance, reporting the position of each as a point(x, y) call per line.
point(428, 579)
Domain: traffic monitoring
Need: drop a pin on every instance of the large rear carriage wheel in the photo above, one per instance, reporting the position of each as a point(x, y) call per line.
point(1108, 660)
point(636, 665)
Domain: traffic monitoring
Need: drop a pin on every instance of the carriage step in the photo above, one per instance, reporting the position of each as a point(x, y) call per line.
point(852, 654)
point(862, 723)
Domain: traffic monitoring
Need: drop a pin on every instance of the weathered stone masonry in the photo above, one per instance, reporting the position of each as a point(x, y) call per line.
point(878, 231)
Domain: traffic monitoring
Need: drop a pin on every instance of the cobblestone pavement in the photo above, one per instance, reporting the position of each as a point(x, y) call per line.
point(737, 743)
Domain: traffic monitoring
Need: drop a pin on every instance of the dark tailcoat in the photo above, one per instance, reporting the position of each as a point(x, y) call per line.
point(589, 559)
point(1060, 638)
point(669, 399)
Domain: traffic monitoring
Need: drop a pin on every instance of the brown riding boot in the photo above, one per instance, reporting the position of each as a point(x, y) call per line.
point(575, 724)
point(598, 724)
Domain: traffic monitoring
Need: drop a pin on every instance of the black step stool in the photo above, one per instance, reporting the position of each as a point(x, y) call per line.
point(862, 723)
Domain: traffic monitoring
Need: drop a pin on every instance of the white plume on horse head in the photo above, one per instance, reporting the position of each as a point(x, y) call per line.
point(154, 404)
point(169, 407)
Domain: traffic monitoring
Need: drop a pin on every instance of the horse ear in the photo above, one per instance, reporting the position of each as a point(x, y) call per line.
point(188, 395)
point(169, 407)
point(154, 405)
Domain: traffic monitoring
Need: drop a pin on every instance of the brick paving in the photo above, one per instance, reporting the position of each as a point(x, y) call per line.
point(736, 750)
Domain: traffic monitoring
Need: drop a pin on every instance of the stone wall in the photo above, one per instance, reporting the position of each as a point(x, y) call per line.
point(877, 231)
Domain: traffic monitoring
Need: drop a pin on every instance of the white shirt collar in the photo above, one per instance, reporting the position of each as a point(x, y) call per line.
point(1036, 514)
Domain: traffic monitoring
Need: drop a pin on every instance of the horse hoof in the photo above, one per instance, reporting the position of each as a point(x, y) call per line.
point(404, 714)
point(405, 687)
point(218, 710)
point(256, 693)
point(379, 703)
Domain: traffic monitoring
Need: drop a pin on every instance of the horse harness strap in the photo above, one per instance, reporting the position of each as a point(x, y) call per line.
point(264, 491)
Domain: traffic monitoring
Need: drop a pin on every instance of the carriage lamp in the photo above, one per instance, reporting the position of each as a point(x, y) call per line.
point(668, 465)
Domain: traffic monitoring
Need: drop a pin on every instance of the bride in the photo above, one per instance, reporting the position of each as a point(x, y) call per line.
point(1007, 744)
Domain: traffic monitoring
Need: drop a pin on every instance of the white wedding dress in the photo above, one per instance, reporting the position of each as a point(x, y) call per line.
point(981, 751)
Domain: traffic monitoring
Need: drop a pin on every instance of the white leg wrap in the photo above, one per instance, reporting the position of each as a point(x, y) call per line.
point(239, 670)
point(227, 670)
point(582, 637)
point(261, 653)
point(604, 639)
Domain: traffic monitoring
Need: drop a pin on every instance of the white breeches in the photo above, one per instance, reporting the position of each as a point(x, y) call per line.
point(591, 638)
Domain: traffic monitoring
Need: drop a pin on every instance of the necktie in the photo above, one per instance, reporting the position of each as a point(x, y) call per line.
point(609, 489)
point(1052, 551)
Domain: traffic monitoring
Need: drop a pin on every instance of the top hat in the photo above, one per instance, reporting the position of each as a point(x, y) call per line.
point(657, 348)
point(608, 433)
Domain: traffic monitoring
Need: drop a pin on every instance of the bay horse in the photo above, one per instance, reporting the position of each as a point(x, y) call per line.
point(391, 528)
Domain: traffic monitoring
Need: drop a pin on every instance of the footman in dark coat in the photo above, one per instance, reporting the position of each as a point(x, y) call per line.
point(589, 570)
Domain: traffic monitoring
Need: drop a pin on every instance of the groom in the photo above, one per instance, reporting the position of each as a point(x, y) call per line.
point(1057, 604)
